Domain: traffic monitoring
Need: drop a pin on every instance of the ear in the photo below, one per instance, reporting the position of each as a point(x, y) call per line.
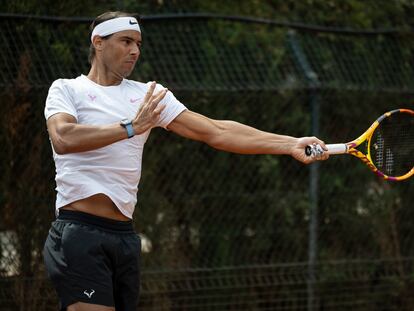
point(98, 43)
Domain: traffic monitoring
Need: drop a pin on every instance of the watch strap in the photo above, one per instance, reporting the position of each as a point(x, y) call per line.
point(130, 130)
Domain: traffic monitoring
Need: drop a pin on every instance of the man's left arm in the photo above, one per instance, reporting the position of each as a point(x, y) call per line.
point(235, 137)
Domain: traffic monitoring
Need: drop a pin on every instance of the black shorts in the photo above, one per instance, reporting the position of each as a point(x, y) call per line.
point(93, 260)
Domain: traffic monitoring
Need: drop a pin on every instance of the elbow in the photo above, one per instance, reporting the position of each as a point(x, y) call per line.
point(59, 150)
point(217, 139)
point(62, 134)
point(216, 142)
point(60, 146)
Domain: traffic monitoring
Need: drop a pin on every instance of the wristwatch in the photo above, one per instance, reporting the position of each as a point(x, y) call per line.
point(127, 124)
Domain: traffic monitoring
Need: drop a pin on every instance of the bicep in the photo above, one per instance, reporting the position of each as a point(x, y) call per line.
point(195, 126)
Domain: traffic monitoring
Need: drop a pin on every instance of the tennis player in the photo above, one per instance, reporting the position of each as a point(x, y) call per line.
point(98, 125)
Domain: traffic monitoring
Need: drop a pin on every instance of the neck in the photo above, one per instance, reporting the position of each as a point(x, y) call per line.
point(101, 75)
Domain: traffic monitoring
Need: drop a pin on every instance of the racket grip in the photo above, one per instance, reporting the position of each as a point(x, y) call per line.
point(332, 149)
point(337, 148)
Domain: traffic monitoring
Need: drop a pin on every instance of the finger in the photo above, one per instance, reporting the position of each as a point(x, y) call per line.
point(158, 97)
point(315, 144)
point(315, 151)
point(161, 94)
point(321, 143)
point(159, 109)
point(150, 91)
point(325, 156)
point(320, 154)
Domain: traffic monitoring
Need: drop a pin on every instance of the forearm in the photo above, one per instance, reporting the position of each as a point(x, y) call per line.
point(239, 138)
point(73, 137)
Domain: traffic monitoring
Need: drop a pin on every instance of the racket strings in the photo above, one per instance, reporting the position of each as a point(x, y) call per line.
point(379, 155)
point(392, 144)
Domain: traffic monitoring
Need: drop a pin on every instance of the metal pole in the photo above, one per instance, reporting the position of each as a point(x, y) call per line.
point(313, 217)
point(313, 84)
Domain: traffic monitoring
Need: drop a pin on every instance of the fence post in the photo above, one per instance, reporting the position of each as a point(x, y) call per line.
point(313, 85)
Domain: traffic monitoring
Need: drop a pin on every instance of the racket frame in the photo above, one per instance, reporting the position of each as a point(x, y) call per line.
point(350, 147)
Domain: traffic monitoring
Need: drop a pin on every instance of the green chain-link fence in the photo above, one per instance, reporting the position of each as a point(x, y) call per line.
point(223, 231)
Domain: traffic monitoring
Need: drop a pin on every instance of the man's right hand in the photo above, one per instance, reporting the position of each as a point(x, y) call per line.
point(150, 110)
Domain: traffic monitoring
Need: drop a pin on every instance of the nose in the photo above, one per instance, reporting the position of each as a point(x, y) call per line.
point(135, 50)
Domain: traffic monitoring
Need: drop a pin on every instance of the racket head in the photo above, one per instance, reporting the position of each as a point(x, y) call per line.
point(390, 145)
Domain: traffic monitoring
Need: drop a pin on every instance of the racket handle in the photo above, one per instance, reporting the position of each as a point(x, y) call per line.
point(332, 149)
point(337, 148)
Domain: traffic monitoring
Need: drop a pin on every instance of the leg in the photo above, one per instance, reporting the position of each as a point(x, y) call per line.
point(78, 266)
point(127, 274)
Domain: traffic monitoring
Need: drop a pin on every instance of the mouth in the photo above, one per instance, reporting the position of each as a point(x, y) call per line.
point(130, 64)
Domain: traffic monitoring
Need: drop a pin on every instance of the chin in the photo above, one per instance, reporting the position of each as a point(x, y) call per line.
point(126, 74)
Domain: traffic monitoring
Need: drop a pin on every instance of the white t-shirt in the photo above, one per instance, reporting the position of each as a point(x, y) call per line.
point(113, 170)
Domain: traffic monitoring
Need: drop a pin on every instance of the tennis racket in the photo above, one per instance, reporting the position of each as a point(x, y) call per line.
point(389, 146)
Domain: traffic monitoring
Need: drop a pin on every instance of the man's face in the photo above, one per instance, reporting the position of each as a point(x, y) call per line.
point(120, 52)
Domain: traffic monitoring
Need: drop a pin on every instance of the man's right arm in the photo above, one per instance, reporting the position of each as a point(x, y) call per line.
point(68, 136)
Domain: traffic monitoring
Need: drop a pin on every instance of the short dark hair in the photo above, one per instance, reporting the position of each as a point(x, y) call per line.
point(103, 18)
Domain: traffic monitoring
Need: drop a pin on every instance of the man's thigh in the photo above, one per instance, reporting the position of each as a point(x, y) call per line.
point(78, 266)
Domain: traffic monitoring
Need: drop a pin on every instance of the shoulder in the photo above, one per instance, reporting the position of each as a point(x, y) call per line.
point(68, 85)
point(136, 84)
point(60, 83)
point(64, 81)
point(142, 85)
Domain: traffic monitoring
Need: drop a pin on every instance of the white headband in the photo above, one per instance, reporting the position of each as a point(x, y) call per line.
point(115, 25)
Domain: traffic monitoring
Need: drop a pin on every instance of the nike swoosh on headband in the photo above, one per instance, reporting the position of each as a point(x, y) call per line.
point(132, 22)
